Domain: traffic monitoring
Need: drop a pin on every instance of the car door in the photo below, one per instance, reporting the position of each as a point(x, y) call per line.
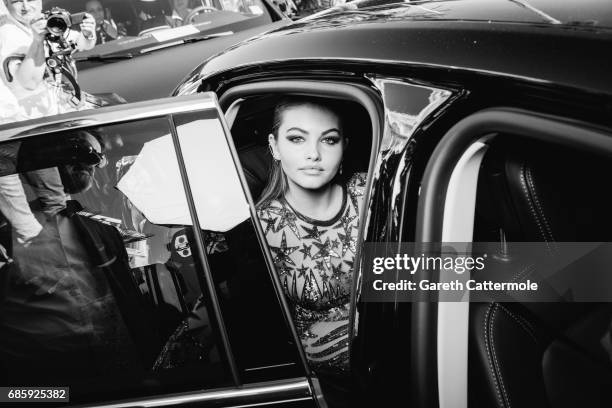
point(133, 270)
point(522, 191)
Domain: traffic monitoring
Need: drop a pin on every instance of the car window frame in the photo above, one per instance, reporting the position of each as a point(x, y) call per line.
point(355, 92)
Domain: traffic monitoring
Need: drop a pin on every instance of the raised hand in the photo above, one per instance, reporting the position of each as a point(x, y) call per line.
point(88, 26)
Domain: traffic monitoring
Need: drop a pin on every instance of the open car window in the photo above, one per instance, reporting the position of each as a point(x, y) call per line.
point(313, 258)
point(98, 289)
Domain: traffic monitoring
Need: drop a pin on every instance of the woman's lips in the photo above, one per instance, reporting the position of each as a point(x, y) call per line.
point(312, 170)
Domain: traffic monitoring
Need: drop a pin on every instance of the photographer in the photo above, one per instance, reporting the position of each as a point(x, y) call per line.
point(106, 28)
point(29, 90)
point(23, 54)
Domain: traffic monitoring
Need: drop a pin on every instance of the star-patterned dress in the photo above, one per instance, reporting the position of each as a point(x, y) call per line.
point(314, 260)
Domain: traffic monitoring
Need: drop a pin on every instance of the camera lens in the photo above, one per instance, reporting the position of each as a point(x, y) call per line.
point(57, 24)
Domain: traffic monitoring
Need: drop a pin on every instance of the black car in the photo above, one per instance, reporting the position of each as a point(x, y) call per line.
point(476, 122)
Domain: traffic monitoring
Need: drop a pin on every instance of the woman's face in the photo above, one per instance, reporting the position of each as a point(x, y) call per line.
point(309, 146)
point(24, 11)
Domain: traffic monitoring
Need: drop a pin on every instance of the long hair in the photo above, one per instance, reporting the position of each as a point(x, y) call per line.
point(277, 184)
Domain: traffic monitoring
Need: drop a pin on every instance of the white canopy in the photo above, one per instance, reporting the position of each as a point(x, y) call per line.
point(153, 183)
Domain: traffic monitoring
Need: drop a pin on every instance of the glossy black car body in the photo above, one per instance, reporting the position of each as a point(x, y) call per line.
point(475, 120)
point(539, 58)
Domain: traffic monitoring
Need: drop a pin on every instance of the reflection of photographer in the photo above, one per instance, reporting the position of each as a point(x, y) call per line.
point(27, 39)
point(30, 87)
point(106, 28)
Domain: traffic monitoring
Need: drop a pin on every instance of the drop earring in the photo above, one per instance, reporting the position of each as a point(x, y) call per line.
point(340, 170)
point(272, 153)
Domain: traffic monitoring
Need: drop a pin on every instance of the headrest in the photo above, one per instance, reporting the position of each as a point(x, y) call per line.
point(545, 193)
point(256, 162)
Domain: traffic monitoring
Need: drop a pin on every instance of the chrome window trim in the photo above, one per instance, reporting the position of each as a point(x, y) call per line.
point(289, 390)
point(108, 114)
point(407, 123)
point(267, 404)
point(270, 366)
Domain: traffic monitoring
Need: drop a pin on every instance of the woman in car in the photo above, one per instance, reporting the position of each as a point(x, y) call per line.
point(309, 211)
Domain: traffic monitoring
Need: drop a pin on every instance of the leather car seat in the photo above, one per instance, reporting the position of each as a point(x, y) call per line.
point(541, 354)
point(256, 162)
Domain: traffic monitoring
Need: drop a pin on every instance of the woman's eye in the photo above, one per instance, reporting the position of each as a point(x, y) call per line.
point(331, 140)
point(295, 139)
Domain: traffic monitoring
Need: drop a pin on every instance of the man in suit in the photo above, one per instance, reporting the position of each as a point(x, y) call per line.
point(71, 308)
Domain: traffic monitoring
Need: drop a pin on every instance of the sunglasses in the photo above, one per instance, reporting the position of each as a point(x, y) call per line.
point(84, 152)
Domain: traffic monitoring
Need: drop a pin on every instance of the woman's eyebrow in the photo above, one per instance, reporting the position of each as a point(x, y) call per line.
point(298, 129)
point(330, 131)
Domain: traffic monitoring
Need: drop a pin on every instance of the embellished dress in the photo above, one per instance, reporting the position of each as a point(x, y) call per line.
point(314, 260)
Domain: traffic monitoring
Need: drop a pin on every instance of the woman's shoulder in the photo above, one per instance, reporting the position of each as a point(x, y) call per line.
point(276, 220)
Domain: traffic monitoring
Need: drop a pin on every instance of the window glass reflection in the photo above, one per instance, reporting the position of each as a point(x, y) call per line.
point(94, 293)
point(258, 331)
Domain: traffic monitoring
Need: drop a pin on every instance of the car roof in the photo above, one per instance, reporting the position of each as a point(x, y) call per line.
point(507, 39)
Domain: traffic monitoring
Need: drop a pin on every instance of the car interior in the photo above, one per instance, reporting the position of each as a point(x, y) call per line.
point(555, 354)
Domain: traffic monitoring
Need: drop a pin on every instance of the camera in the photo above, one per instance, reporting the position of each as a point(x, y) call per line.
point(60, 20)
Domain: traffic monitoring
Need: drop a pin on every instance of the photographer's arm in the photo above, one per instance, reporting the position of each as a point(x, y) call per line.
point(29, 74)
